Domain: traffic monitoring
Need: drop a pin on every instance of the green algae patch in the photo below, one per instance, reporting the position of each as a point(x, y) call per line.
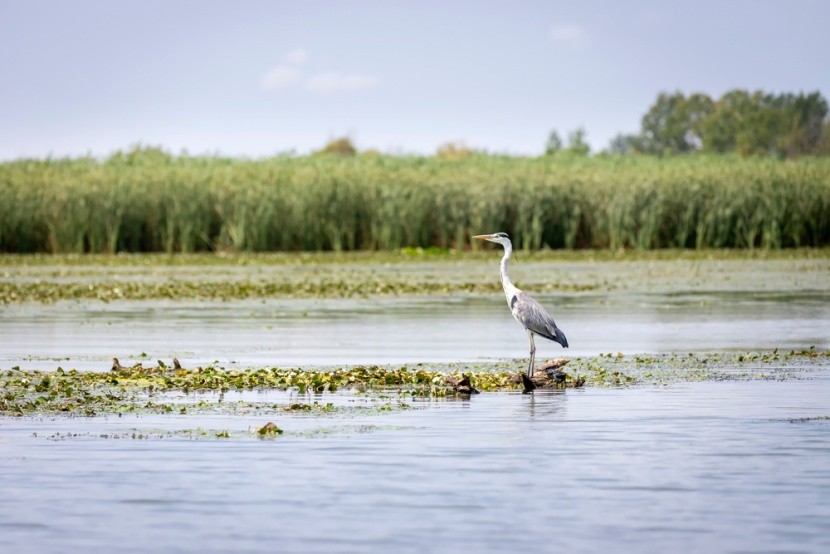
point(140, 389)
point(163, 389)
point(221, 277)
point(151, 434)
point(314, 407)
point(203, 434)
point(49, 291)
point(616, 370)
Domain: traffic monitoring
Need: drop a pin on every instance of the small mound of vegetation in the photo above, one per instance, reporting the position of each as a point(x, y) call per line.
point(143, 389)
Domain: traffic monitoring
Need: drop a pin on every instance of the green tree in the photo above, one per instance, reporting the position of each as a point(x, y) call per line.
point(804, 120)
point(720, 129)
point(764, 124)
point(140, 154)
point(454, 151)
point(577, 144)
point(673, 123)
point(823, 146)
point(554, 143)
point(696, 109)
point(623, 144)
point(340, 146)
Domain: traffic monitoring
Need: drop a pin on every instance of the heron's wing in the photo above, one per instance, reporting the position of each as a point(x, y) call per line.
point(534, 317)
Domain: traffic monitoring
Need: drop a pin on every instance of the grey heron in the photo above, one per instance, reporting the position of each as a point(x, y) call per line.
point(527, 311)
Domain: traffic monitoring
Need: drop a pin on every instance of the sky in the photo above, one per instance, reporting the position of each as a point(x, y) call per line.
point(256, 78)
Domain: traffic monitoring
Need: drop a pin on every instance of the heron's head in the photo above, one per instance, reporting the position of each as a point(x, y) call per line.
point(499, 238)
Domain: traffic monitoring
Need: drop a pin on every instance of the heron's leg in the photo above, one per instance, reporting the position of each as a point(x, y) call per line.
point(532, 353)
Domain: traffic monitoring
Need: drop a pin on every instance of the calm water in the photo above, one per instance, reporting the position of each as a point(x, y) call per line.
point(389, 330)
point(707, 467)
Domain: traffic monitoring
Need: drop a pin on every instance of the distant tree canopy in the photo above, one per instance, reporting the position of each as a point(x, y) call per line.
point(747, 123)
point(455, 151)
point(740, 122)
point(554, 144)
point(140, 154)
point(340, 146)
point(577, 145)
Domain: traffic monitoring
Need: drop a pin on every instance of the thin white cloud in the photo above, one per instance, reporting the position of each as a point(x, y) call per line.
point(291, 74)
point(337, 82)
point(297, 56)
point(280, 77)
point(568, 33)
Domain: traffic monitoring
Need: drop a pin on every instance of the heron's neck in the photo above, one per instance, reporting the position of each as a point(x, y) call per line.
point(509, 288)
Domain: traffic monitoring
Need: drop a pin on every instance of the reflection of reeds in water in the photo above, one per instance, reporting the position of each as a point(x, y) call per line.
point(147, 201)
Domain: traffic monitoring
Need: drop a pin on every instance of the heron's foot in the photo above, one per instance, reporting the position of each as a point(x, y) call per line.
point(528, 384)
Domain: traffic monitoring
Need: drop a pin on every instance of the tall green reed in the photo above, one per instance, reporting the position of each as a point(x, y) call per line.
point(156, 202)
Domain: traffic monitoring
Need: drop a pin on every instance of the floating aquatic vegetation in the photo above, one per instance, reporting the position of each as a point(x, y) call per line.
point(148, 389)
point(270, 429)
point(45, 291)
point(141, 389)
point(221, 277)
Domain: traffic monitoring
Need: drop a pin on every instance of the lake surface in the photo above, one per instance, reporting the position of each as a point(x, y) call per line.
point(389, 330)
point(705, 467)
point(731, 466)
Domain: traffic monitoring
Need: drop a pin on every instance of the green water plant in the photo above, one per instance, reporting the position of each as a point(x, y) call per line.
point(184, 204)
point(142, 388)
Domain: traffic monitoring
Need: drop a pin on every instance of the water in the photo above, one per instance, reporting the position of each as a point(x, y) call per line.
point(306, 333)
point(718, 466)
point(705, 467)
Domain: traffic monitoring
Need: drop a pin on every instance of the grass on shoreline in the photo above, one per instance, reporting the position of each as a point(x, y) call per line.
point(401, 256)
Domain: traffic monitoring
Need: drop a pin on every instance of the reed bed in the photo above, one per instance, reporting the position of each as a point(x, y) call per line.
point(158, 203)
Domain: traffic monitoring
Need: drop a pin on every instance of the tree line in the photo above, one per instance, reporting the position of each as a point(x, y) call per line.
point(740, 122)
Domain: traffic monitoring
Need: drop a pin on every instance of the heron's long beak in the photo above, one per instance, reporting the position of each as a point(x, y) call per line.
point(483, 237)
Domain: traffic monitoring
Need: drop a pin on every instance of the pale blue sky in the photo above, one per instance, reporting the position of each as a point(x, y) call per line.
point(255, 78)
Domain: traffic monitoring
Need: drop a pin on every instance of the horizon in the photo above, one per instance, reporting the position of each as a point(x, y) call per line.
point(263, 79)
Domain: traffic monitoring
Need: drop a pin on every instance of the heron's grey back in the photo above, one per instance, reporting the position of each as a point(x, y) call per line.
point(534, 317)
